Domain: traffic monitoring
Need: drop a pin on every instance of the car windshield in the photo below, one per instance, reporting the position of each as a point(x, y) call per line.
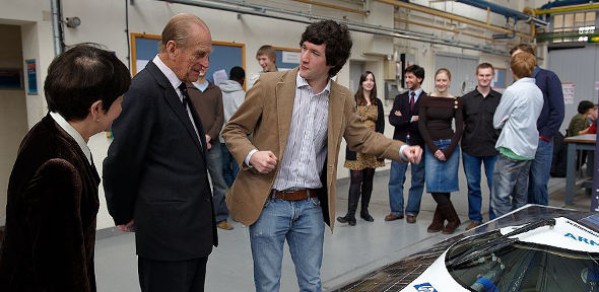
point(493, 262)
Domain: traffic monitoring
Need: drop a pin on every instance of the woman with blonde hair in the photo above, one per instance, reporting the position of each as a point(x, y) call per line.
point(438, 111)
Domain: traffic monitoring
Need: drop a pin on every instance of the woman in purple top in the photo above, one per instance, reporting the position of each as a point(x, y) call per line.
point(441, 161)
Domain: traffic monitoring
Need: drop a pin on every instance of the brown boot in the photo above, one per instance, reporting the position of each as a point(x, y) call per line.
point(453, 220)
point(437, 224)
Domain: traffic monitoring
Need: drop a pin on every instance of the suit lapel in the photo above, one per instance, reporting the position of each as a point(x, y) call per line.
point(336, 110)
point(176, 106)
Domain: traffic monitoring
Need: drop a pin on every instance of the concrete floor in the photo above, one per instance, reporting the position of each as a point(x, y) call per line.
point(349, 252)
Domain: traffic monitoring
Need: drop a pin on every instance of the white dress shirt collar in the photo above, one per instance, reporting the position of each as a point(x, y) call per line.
point(60, 120)
point(301, 82)
point(168, 72)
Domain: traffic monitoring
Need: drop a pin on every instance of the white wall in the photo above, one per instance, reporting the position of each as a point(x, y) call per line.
point(13, 112)
point(104, 22)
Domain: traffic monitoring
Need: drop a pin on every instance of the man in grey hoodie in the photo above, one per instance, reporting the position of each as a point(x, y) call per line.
point(233, 96)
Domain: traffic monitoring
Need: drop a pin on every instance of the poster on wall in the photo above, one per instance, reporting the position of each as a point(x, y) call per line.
point(31, 68)
point(568, 90)
point(10, 79)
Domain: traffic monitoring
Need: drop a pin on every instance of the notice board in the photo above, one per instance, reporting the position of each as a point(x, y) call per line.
point(225, 55)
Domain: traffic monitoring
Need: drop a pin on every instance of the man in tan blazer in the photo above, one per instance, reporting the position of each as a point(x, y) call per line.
point(286, 137)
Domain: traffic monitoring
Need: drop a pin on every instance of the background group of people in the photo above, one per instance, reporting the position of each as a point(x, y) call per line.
point(282, 138)
point(510, 135)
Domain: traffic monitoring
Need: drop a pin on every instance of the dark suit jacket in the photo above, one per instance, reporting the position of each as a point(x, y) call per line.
point(402, 124)
point(552, 113)
point(50, 215)
point(155, 173)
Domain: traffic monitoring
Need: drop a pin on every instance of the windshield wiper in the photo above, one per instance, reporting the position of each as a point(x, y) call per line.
point(494, 244)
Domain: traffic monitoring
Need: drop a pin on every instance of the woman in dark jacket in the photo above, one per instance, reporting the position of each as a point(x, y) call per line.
point(53, 188)
point(361, 166)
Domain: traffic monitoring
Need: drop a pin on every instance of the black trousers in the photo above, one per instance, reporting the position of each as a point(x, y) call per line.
point(179, 276)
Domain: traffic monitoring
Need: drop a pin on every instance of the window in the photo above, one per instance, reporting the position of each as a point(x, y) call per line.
point(573, 27)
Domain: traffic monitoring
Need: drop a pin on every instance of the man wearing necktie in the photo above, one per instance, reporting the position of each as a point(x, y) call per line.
point(404, 116)
point(155, 176)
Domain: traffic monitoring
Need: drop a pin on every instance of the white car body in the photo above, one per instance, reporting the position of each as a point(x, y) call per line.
point(565, 234)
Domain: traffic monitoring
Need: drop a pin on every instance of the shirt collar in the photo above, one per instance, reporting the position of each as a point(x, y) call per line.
point(201, 86)
point(536, 71)
point(301, 82)
point(62, 122)
point(417, 92)
point(168, 72)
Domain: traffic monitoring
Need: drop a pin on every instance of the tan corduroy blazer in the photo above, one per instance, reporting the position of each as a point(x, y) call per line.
point(262, 122)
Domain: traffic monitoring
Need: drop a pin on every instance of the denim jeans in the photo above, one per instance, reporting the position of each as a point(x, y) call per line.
point(472, 170)
point(397, 179)
point(301, 224)
point(219, 187)
point(230, 167)
point(510, 184)
point(539, 174)
point(441, 176)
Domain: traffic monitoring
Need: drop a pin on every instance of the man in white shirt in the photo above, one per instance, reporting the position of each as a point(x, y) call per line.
point(516, 116)
point(287, 135)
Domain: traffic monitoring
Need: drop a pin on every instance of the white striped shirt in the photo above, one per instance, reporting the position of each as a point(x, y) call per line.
point(306, 148)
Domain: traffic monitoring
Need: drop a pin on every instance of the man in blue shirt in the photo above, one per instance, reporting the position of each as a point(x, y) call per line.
point(548, 125)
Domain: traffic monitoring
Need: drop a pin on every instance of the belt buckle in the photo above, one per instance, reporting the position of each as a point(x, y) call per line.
point(292, 190)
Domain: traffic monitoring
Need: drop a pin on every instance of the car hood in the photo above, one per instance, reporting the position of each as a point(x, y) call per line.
point(565, 234)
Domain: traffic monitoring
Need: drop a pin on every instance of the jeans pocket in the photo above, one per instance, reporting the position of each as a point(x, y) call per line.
point(268, 200)
point(315, 201)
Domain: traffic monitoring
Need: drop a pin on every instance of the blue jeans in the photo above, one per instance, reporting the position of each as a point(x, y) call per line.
point(397, 178)
point(510, 183)
point(472, 170)
point(230, 167)
point(219, 187)
point(539, 174)
point(301, 224)
point(441, 176)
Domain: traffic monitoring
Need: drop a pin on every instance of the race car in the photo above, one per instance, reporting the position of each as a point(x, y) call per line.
point(535, 248)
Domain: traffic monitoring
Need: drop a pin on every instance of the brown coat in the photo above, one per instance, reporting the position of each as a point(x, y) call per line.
point(262, 122)
point(50, 215)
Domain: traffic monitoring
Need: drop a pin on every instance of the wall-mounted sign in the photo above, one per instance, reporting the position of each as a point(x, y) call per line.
point(31, 68)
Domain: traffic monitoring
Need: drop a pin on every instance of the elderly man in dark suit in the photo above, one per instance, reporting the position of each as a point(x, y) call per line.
point(53, 188)
point(155, 175)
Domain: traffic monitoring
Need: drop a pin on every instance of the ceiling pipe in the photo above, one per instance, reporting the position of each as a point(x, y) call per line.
point(451, 16)
point(507, 12)
point(332, 6)
point(453, 30)
point(567, 9)
point(561, 3)
point(282, 14)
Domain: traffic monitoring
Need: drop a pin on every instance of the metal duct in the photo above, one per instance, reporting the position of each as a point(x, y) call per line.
point(507, 12)
point(57, 33)
point(294, 16)
point(560, 3)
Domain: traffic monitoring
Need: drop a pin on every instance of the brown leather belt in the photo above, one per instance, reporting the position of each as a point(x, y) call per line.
point(294, 195)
